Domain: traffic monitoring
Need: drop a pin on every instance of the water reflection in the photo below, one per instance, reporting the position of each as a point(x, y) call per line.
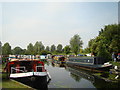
point(78, 74)
point(60, 65)
point(76, 77)
point(66, 77)
point(70, 77)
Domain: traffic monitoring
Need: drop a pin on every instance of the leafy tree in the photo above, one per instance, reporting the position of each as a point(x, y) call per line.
point(102, 51)
point(24, 52)
point(30, 49)
point(47, 48)
point(38, 47)
point(53, 48)
point(87, 50)
point(17, 50)
point(44, 52)
point(106, 42)
point(67, 49)
point(76, 43)
point(112, 37)
point(59, 48)
point(6, 49)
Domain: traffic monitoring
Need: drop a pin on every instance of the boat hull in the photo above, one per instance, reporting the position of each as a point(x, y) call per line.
point(33, 79)
point(90, 67)
point(36, 82)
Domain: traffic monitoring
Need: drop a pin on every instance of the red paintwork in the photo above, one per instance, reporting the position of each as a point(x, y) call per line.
point(34, 64)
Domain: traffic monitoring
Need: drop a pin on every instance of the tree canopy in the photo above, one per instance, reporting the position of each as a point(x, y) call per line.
point(106, 42)
point(6, 49)
point(47, 48)
point(30, 49)
point(17, 50)
point(76, 43)
point(53, 48)
point(59, 48)
point(67, 49)
point(38, 47)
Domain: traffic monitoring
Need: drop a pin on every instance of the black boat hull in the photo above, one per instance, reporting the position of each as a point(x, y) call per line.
point(36, 82)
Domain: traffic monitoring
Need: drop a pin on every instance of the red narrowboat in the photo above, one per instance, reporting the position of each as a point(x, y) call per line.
point(28, 71)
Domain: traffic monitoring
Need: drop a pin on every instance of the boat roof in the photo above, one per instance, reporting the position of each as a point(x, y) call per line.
point(24, 60)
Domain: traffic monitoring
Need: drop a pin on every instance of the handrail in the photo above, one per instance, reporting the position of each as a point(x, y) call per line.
point(16, 69)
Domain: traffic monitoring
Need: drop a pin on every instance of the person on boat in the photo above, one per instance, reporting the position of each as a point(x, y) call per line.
point(118, 56)
point(113, 57)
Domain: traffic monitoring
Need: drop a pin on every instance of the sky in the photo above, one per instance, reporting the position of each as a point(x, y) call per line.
point(54, 22)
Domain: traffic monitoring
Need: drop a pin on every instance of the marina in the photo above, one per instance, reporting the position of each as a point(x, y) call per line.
point(48, 74)
point(60, 45)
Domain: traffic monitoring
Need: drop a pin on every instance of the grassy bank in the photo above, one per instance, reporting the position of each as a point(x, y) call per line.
point(115, 63)
point(8, 83)
point(107, 76)
point(13, 84)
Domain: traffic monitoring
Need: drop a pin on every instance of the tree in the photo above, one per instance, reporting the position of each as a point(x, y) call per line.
point(24, 52)
point(17, 50)
point(59, 48)
point(47, 48)
point(53, 48)
point(38, 47)
point(102, 51)
point(44, 52)
point(6, 49)
point(106, 42)
point(76, 43)
point(30, 49)
point(67, 49)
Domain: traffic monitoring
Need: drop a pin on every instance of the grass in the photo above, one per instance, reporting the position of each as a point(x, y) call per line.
point(12, 84)
point(7, 83)
point(115, 63)
point(112, 76)
point(107, 75)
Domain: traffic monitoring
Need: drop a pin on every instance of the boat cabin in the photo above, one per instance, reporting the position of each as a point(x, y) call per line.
point(21, 66)
point(88, 60)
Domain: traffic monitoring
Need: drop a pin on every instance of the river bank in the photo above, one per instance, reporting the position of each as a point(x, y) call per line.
point(110, 76)
point(9, 83)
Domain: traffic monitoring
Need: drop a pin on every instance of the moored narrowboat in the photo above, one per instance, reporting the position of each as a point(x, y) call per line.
point(96, 64)
point(30, 71)
point(59, 59)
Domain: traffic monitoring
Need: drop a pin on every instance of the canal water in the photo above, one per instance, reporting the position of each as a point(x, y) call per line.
point(66, 77)
point(63, 76)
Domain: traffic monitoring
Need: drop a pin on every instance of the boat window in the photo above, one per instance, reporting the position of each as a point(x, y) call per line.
point(27, 65)
point(39, 68)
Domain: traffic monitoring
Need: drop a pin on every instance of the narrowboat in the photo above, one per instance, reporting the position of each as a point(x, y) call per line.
point(28, 71)
point(96, 64)
point(41, 57)
point(59, 59)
